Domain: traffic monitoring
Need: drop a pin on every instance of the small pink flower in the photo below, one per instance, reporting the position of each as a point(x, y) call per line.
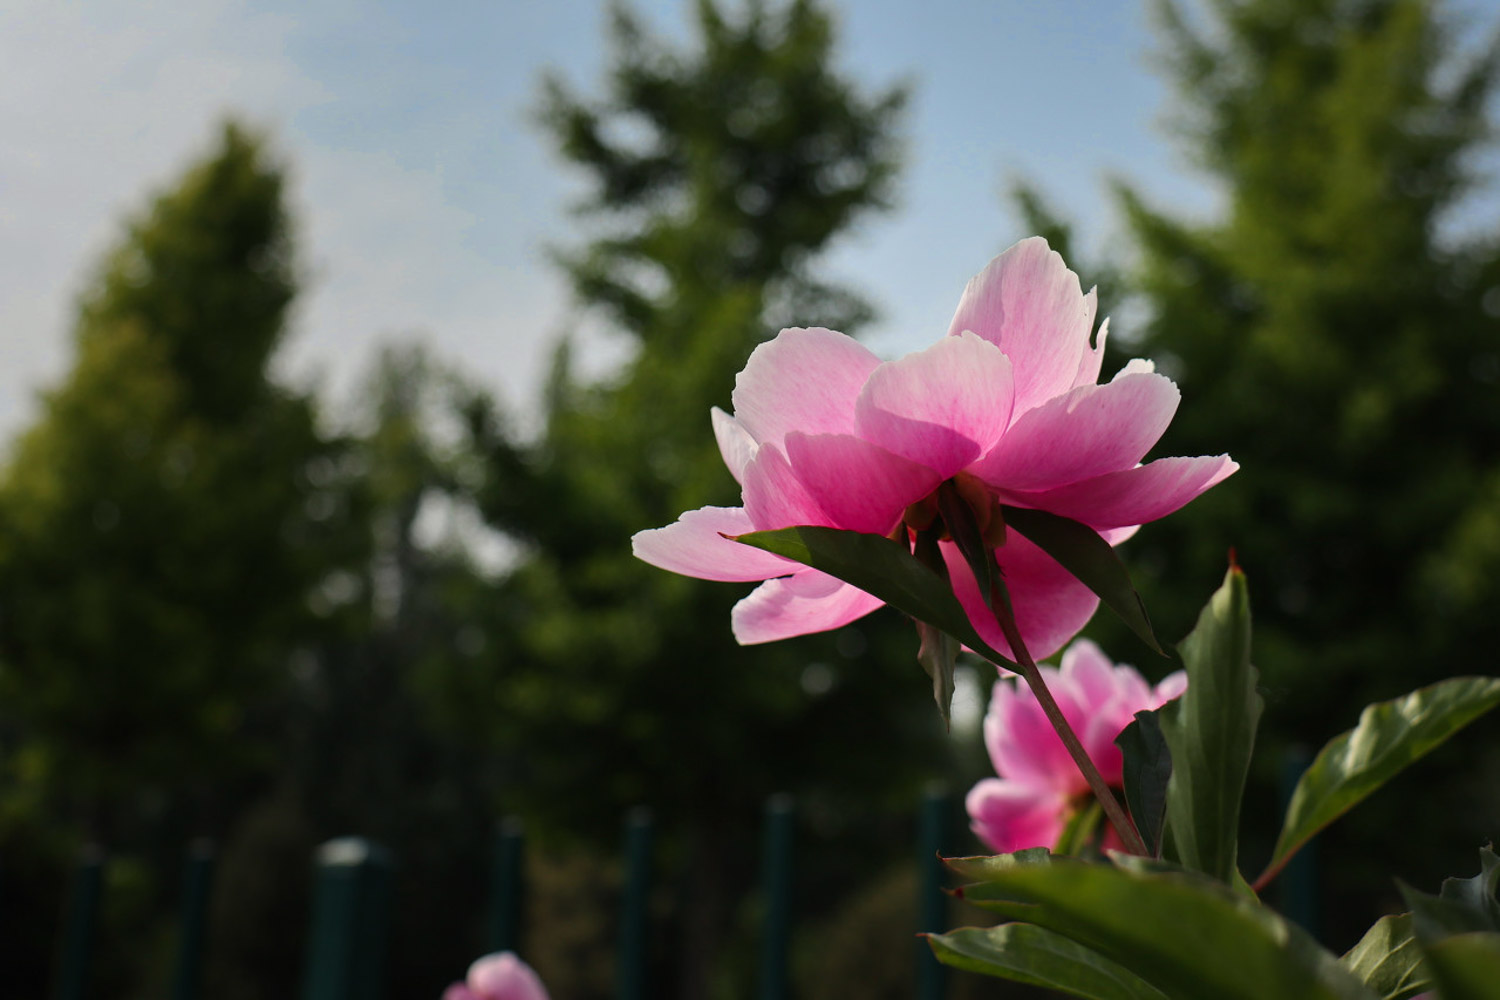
point(1040, 787)
point(1007, 404)
point(501, 976)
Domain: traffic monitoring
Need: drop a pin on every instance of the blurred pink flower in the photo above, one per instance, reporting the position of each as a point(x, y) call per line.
point(501, 976)
point(823, 433)
point(1040, 788)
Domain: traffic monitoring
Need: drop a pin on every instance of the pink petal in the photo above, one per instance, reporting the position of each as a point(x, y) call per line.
point(458, 991)
point(861, 486)
point(1022, 744)
point(1171, 686)
point(1085, 664)
point(503, 976)
point(693, 546)
point(781, 608)
point(1132, 496)
point(775, 497)
point(804, 380)
point(942, 407)
point(1050, 604)
point(1009, 816)
point(1027, 303)
point(1086, 432)
point(735, 443)
point(1093, 358)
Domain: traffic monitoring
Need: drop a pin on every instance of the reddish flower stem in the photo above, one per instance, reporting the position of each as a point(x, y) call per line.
point(1117, 815)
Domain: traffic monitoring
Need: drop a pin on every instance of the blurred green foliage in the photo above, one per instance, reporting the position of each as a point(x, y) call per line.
point(156, 543)
point(220, 615)
point(1334, 327)
point(716, 174)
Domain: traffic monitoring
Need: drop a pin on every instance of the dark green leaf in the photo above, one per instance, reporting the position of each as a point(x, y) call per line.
point(1183, 933)
point(1388, 960)
point(1079, 550)
point(1211, 731)
point(1148, 768)
point(1390, 735)
point(1033, 955)
point(880, 567)
point(1466, 966)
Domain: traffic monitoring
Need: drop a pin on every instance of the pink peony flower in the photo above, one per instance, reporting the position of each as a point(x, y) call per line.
point(501, 976)
point(1040, 787)
point(824, 433)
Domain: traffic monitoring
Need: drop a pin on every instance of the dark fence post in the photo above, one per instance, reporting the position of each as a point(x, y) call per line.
point(932, 904)
point(1297, 885)
point(82, 924)
point(507, 887)
point(350, 920)
point(634, 913)
point(776, 885)
point(197, 878)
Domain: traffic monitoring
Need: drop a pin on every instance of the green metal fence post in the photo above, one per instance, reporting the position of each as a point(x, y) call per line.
point(1297, 885)
point(507, 887)
point(81, 927)
point(197, 878)
point(776, 885)
point(634, 916)
point(350, 920)
point(932, 904)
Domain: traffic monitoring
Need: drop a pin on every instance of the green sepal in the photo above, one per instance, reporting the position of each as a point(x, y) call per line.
point(938, 653)
point(1078, 833)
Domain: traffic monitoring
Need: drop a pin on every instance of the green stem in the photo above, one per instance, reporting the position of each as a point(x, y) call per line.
point(1000, 604)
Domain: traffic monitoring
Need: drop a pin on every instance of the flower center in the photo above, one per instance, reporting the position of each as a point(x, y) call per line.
point(979, 503)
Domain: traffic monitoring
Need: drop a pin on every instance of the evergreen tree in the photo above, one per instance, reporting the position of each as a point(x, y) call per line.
point(1336, 332)
point(160, 525)
point(718, 172)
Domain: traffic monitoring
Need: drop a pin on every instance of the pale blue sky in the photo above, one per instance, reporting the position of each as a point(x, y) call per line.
point(426, 197)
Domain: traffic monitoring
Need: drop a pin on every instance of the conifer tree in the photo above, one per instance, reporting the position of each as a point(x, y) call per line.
point(1335, 330)
point(159, 525)
point(717, 173)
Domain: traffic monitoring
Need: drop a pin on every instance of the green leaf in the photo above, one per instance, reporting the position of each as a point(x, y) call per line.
point(1183, 933)
point(1463, 906)
point(1390, 735)
point(1466, 966)
point(1211, 731)
point(1081, 551)
point(1025, 953)
point(880, 567)
point(937, 653)
point(1388, 959)
point(1148, 769)
point(1478, 893)
point(981, 868)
